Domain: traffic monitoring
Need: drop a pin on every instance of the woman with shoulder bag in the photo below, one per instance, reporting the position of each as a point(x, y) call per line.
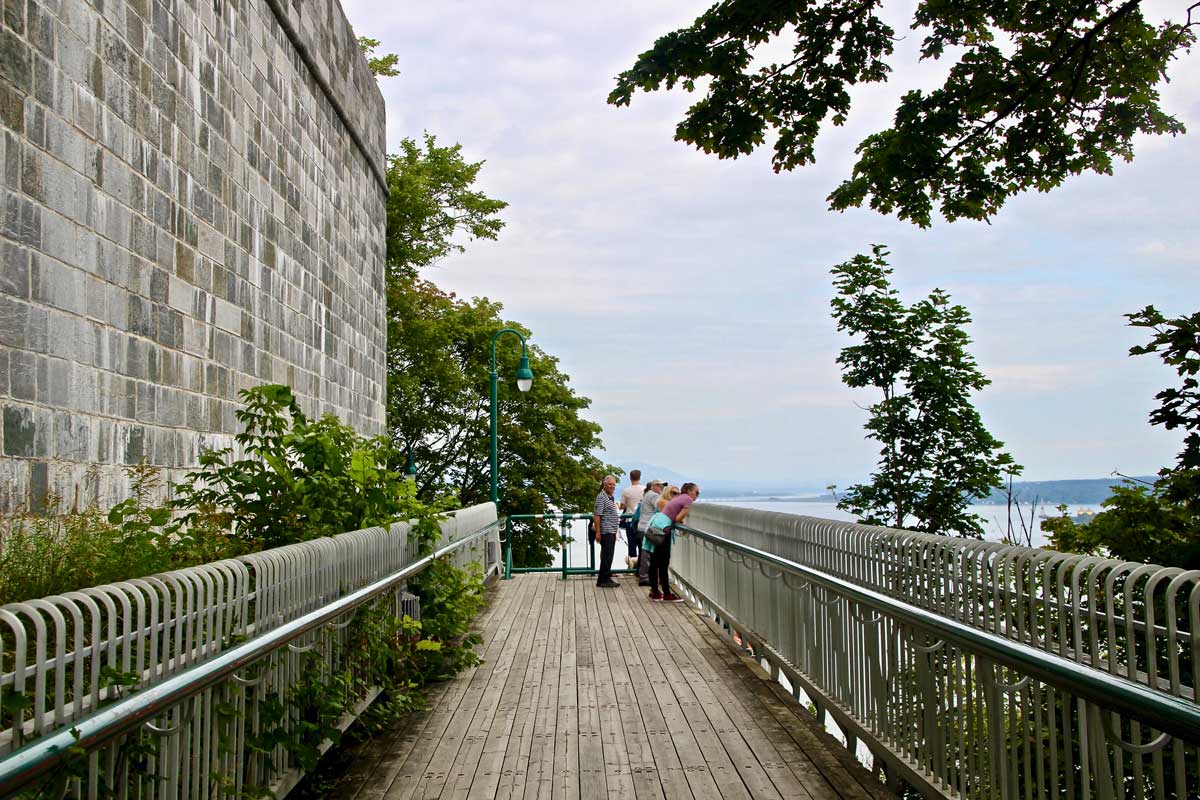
point(674, 506)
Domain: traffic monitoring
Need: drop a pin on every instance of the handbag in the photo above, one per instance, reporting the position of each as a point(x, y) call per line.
point(655, 535)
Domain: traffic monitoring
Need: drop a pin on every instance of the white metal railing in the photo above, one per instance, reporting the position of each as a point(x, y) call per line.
point(63, 658)
point(907, 640)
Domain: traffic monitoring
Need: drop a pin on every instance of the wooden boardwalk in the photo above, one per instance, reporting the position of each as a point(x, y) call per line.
point(596, 693)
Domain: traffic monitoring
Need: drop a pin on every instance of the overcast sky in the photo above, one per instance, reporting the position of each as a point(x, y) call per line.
point(688, 297)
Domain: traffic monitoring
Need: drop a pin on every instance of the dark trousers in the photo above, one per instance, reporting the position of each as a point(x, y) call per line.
point(608, 546)
point(660, 566)
point(633, 539)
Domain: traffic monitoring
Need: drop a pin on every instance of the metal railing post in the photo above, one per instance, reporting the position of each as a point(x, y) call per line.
point(565, 547)
point(508, 534)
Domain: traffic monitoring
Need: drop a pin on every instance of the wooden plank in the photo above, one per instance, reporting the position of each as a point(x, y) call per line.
point(566, 740)
point(377, 760)
point(609, 752)
point(430, 751)
point(539, 779)
point(445, 766)
point(656, 702)
point(737, 727)
point(489, 770)
point(753, 686)
point(632, 753)
point(515, 766)
point(467, 766)
point(688, 742)
point(592, 673)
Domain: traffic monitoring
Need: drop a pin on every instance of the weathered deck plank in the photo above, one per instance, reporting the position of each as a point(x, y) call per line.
point(593, 693)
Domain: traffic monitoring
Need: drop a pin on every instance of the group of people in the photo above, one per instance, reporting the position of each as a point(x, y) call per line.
point(656, 509)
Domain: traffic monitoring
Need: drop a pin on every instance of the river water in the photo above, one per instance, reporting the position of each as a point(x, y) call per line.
point(993, 517)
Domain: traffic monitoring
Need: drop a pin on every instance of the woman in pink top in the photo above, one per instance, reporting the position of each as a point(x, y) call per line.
point(676, 511)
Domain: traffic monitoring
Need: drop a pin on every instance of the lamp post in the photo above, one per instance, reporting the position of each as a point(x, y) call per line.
point(410, 466)
point(524, 381)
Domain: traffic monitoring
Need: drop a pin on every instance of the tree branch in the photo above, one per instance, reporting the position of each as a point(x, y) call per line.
point(1006, 112)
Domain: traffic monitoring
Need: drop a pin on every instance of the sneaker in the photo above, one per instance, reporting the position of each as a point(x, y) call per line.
point(655, 594)
point(608, 584)
point(671, 597)
point(643, 583)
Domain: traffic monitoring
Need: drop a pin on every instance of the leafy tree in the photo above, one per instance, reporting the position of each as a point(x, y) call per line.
point(439, 357)
point(431, 199)
point(380, 66)
point(439, 350)
point(936, 454)
point(1157, 522)
point(1036, 91)
point(300, 478)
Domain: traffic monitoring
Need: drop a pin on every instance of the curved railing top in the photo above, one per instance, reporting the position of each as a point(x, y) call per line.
point(1162, 711)
point(173, 634)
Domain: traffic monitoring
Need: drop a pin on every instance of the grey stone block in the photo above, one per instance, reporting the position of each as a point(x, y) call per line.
point(153, 219)
point(21, 220)
point(14, 270)
point(58, 285)
point(19, 431)
point(15, 60)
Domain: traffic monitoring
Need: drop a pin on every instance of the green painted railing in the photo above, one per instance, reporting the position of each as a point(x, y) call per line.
point(565, 567)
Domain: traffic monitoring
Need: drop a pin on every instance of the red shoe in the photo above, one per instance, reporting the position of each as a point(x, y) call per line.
point(655, 594)
point(671, 597)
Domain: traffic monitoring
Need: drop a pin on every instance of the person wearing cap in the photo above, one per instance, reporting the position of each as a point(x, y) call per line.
point(631, 496)
point(647, 508)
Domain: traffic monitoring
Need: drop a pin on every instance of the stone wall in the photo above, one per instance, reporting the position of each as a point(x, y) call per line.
point(191, 203)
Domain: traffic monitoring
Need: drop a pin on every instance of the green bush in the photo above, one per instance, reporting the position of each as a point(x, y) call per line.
point(61, 551)
point(299, 479)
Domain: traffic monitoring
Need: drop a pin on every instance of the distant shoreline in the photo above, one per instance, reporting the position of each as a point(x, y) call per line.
point(1085, 492)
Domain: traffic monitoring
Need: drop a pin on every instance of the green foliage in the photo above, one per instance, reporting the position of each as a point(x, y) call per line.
point(431, 199)
point(936, 453)
point(299, 478)
point(380, 66)
point(1157, 523)
point(451, 598)
point(61, 550)
point(439, 352)
point(1035, 92)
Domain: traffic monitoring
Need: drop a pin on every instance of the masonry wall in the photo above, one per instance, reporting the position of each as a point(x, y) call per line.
point(190, 205)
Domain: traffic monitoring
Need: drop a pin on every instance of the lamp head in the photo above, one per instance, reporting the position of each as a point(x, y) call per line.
point(524, 374)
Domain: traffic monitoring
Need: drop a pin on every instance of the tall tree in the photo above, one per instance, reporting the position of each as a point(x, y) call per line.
point(1159, 522)
point(936, 454)
point(1036, 91)
point(438, 363)
point(439, 349)
point(432, 199)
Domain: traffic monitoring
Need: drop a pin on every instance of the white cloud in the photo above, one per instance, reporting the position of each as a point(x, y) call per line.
point(668, 280)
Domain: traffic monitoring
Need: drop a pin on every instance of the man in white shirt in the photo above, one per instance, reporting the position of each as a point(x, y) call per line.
point(631, 496)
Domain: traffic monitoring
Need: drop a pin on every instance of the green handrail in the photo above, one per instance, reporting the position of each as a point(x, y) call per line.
point(565, 568)
point(44, 754)
point(1164, 712)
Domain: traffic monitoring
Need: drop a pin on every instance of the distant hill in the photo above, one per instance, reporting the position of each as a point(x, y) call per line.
point(1086, 492)
point(714, 487)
